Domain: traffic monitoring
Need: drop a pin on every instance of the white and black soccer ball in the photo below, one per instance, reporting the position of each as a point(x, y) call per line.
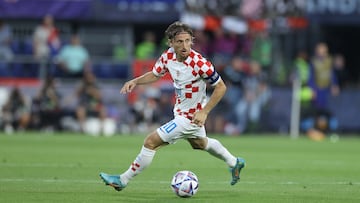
point(185, 183)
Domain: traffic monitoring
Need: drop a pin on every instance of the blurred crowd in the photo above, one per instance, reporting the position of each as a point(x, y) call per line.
point(243, 60)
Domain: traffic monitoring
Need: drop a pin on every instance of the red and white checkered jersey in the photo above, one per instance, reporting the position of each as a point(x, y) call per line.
point(189, 79)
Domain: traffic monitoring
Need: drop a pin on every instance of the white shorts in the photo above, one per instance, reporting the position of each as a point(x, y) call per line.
point(180, 128)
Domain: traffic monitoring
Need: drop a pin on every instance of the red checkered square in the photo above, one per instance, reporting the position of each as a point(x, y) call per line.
point(188, 95)
point(170, 55)
point(158, 69)
point(209, 72)
point(200, 64)
point(208, 63)
point(192, 54)
point(192, 111)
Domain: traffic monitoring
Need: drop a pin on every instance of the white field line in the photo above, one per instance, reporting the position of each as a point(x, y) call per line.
point(167, 182)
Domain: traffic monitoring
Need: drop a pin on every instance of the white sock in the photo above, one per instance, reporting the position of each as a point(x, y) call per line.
point(142, 161)
point(215, 148)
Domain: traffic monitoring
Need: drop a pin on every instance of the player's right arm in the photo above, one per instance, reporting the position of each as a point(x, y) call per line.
point(157, 72)
point(147, 78)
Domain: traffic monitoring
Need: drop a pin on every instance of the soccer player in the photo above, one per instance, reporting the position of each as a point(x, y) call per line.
point(190, 72)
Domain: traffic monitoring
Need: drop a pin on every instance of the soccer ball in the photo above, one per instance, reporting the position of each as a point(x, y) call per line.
point(185, 184)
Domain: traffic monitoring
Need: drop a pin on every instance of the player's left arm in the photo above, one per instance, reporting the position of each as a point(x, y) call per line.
point(219, 91)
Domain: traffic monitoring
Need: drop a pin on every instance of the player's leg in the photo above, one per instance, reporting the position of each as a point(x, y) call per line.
point(167, 133)
point(144, 158)
point(215, 148)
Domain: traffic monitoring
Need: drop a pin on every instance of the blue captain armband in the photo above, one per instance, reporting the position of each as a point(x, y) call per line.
point(213, 78)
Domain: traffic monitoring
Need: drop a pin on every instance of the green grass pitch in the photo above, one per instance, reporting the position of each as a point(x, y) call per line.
point(65, 168)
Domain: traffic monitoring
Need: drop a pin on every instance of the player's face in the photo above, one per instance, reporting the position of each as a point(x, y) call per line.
point(182, 45)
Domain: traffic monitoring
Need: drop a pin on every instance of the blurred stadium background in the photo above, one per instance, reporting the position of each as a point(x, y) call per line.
point(270, 32)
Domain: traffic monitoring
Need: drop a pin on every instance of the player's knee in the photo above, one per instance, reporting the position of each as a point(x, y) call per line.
point(153, 141)
point(150, 144)
point(199, 145)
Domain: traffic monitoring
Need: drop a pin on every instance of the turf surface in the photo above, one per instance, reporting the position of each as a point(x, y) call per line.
point(65, 168)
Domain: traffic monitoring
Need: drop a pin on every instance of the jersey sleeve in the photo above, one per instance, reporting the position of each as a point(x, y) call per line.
point(159, 69)
point(208, 72)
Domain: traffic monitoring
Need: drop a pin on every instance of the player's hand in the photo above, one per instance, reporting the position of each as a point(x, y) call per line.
point(128, 87)
point(199, 118)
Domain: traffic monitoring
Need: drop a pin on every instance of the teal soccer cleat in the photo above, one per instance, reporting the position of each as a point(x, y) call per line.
point(113, 181)
point(235, 171)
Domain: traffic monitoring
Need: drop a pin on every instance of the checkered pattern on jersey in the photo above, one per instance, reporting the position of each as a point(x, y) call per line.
point(188, 80)
point(190, 112)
